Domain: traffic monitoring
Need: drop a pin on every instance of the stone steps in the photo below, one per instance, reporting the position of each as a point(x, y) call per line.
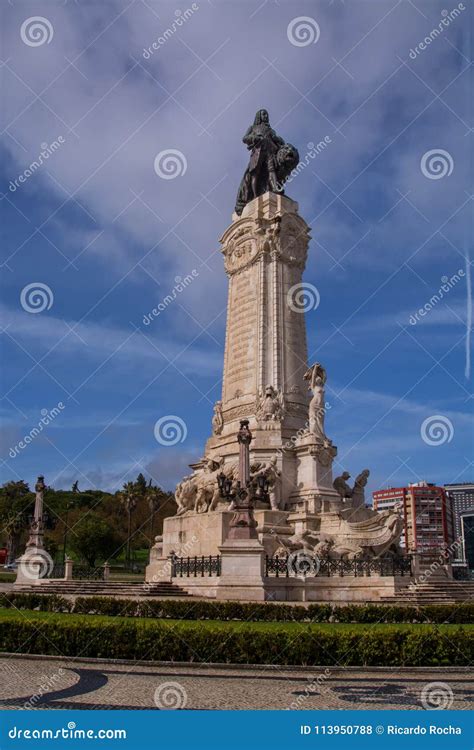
point(103, 588)
point(441, 591)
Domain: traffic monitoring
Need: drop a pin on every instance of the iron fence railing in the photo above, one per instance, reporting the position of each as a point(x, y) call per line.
point(298, 565)
point(57, 571)
point(85, 573)
point(196, 566)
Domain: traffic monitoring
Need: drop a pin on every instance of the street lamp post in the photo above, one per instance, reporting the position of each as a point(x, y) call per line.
point(243, 524)
point(66, 528)
point(129, 533)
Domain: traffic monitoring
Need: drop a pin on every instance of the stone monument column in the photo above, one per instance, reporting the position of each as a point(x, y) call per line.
point(35, 564)
point(265, 251)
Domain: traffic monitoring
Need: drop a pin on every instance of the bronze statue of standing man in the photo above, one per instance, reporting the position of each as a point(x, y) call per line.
point(271, 161)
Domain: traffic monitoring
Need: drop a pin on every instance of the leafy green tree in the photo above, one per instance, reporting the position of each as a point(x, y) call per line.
point(16, 504)
point(94, 539)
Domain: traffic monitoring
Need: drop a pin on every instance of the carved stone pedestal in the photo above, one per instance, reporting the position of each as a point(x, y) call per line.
point(314, 492)
point(273, 529)
point(242, 570)
point(33, 566)
point(159, 567)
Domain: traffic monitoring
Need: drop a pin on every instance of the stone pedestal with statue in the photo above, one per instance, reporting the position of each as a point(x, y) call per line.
point(35, 564)
point(297, 504)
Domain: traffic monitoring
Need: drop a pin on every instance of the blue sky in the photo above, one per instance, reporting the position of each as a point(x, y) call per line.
point(109, 237)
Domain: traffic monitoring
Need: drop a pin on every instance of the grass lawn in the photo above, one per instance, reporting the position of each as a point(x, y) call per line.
point(292, 627)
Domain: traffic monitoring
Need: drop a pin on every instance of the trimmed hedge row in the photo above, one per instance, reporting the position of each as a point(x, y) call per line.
point(209, 610)
point(203, 642)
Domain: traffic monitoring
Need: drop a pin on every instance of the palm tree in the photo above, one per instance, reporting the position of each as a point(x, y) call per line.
point(154, 496)
point(129, 500)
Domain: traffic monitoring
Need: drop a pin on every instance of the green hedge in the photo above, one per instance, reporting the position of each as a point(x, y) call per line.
point(179, 609)
point(194, 609)
point(203, 642)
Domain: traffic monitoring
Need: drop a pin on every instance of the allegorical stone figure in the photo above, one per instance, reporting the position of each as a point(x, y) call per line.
point(358, 491)
point(341, 486)
point(316, 375)
point(217, 419)
point(273, 475)
point(271, 161)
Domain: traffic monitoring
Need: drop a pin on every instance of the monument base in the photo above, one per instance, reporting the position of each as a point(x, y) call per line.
point(345, 590)
point(32, 567)
point(202, 534)
point(242, 570)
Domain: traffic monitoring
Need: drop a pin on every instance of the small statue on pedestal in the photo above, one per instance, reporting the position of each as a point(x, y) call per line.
point(35, 538)
point(316, 375)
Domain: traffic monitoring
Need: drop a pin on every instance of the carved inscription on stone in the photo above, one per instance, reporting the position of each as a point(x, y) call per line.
point(242, 334)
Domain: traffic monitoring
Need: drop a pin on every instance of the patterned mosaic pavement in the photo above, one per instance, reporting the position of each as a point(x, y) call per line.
point(65, 684)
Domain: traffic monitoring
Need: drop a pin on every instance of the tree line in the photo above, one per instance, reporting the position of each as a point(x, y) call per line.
point(90, 525)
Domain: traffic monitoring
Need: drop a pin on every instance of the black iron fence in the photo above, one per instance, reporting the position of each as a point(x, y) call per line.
point(308, 565)
point(79, 572)
point(57, 571)
point(84, 573)
point(196, 566)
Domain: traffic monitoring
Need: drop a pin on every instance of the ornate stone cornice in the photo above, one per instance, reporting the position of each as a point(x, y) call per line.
point(284, 237)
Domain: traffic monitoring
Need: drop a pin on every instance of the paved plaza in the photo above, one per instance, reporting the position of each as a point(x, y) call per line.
point(46, 683)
